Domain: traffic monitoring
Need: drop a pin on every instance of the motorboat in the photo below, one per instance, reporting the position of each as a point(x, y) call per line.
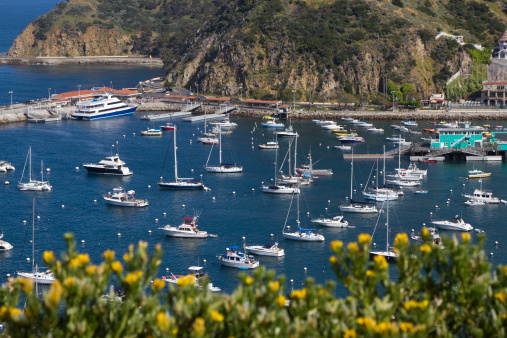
point(343, 147)
point(280, 189)
point(403, 183)
point(476, 173)
point(272, 124)
point(268, 249)
point(180, 183)
point(111, 165)
point(375, 130)
point(435, 237)
point(152, 132)
point(323, 122)
point(308, 169)
point(347, 119)
point(225, 123)
point(380, 195)
point(405, 177)
point(412, 170)
point(287, 132)
point(125, 199)
point(197, 273)
point(409, 123)
point(105, 107)
point(33, 185)
point(335, 222)
point(483, 196)
point(168, 126)
point(4, 246)
point(365, 124)
point(6, 166)
point(428, 130)
point(208, 140)
point(354, 121)
point(187, 229)
point(222, 167)
point(457, 224)
point(237, 259)
point(420, 191)
point(474, 203)
point(330, 126)
point(269, 145)
point(350, 139)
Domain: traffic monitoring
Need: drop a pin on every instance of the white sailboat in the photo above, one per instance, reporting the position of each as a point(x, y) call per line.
point(180, 183)
point(382, 194)
point(287, 188)
point(45, 277)
point(354, 206)
point(33, 185)
point(307, 235)
point(222, 167)
point(389, 252)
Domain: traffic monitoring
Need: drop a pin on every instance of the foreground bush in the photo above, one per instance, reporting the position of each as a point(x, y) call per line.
point(451, 292)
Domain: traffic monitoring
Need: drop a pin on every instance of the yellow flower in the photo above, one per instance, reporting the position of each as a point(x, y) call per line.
point(190, 300)
point(158, 247)
point(217, 316)
point(158, 284)
point(133, 277)
point(413, 304)
point(127, 256)
point(26, 285)
point(108, 255)
point(384, 328)
point(466, 237)
point(401, 239)
point(174, 332)
point(4, 313)
point(116, 266)
point(501, 296)
point(367, 322)
point(364, 239)
point(74, 263)
point(299, 294)
point(186, 281)
point(370, 273)
point(91, 269)
point(14, 311)
point(381, 262)
point(83, 259)
point(281, 301)
point(353, 248)
point(69, 282)
point(163, 321)
point(350, 333)
point(505, 271)
point(425, 248)
point(336, 245)
point(274, 286)
point(333, 260)
point(425, 234)
point(249, 280)
point(55, 294)
point(407, 327)
point(143, 245)
point(49, 257)
point(198, 327)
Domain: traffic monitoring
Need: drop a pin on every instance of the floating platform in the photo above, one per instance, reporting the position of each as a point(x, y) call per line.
point(366, 156)
point(152, 117)
point(417, 158)
point(484, 158)
point(203, 117)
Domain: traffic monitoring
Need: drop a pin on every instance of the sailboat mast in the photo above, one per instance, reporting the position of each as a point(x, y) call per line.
point(42, 170)
point(33, 235)
point(175, 157)
point(384, 170)
point(351, 174)
point(295, 154)
point(30, 165)
point(276, 155)
point(399, 152)
point(377, 175)
point(220, 145)
point(387, 224)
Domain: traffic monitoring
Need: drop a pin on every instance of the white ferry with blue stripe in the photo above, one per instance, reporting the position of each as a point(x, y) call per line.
point(102, 108)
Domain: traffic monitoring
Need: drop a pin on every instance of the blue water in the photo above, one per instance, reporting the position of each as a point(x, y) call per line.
point(36, 82)
point(66, 145)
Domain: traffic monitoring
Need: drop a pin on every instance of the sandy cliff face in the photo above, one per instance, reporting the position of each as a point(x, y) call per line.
point(96, 41)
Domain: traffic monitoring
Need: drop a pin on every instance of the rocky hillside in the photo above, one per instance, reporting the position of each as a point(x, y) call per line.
point(329, 49)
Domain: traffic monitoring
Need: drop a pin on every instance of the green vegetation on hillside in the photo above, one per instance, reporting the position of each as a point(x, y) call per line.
point(428, 291)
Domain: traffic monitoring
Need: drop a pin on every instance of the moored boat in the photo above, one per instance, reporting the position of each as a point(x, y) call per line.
point(237, 259)
point(197, 273)
point(111, 165)
point(125, 199)
point(268, 249)
point(152, 132)
point(105, 107)
point(457, 223)
point(187, 229)
point(335, 222)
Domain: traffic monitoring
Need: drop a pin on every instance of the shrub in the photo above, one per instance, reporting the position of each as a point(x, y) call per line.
point(433, 292)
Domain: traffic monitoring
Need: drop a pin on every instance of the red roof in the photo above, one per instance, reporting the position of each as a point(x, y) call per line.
point(496, 83)
point(125, 92)
point(218, 98)
point(504, 37)
point(104, 89)
point(261, 101)
point(73, 94)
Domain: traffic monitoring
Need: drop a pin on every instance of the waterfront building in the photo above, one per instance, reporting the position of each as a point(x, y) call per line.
point(500, 52)
point(457, 138)
point(494, 93)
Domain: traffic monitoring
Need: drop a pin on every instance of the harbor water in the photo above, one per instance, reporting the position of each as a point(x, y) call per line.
point(233, 208)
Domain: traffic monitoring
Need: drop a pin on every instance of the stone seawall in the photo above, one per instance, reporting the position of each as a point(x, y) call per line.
point(123, 60)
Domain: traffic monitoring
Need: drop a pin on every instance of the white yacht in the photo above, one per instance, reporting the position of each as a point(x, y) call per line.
point(180, 183)
point(335, 222)
point(197, 273)
point(33, 185)
point(187, 229)
point(269, 145)
point(375, 130)
point(289, 185)
point(222, 167)
point(4, 246)
point(483, 196)
point(151, 132)
point(457, 224)
point(225, 123)
point(268, 249)
point(409, 123)
point(400, 175)
point(236, 259)
point(403, 183)
point(474, 203)
point(124, 199)
point(111, 165)
point(412, 170)
point(287, 132)
point(272, 124)
point(104, 107)
point(5, 166)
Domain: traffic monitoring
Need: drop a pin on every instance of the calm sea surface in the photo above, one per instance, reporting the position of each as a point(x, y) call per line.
point(70, 207)
point(65, 145)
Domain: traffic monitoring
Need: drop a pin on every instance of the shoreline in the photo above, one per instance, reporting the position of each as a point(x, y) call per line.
point(118, 60)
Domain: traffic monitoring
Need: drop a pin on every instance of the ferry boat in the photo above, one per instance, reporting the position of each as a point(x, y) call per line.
point(102, 108)
point(475, 173)
point(236, 259)
point(125, 199)
point(111, 165)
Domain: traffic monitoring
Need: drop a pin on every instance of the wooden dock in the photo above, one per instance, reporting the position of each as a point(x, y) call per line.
point(203, 117)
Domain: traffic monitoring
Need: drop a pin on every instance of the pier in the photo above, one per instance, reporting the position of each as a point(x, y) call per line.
point(203, 117)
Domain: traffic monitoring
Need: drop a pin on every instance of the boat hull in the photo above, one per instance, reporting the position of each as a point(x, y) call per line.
point(94, 169)
point(303, 237)
point(174, 232)
point(35, 186)
point(98, 116)
point(277, 189)
point(135, 203)
point(452, 226)
point(331, 223)
point(238, 265)
point(259, 250)
point(181, 186)
point(358, 209)
point(389, 255)
point(224, 169)
point(43, 279)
